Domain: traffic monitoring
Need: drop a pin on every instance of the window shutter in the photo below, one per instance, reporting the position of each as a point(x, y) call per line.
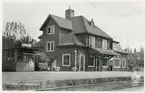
point(53, 29)
point(48, 30)
point(48, 46)
point(90, 41)
point(104, 44)
point(93, 41)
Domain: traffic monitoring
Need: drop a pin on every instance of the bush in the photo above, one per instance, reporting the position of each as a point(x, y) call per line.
point(20, 86)
point(57, 68)
point(74, 68)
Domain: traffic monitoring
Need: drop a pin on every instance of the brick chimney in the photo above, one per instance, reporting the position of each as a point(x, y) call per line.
point(92, 23)
point(69, 13)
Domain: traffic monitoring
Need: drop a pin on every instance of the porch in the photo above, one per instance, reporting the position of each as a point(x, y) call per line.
point(99, 59)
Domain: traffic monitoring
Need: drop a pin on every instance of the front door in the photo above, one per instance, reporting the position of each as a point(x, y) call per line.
point(82, 62)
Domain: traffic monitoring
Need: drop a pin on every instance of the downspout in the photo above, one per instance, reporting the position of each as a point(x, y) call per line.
point(75, 57)
point(75, 52)
point(96, 62)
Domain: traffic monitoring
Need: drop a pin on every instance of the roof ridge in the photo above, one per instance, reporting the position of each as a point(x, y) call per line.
point(77, 16)
point(85, 19)
point(62, 22)
point(59, 17)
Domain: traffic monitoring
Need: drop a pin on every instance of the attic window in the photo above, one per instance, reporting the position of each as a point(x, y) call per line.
point(50, 30)
point(91, 41)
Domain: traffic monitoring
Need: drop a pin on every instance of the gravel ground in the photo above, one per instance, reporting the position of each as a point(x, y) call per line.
point(101, 87)
point(134, 89)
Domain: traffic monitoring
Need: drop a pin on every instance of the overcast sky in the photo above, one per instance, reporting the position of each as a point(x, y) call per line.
point(124, 21)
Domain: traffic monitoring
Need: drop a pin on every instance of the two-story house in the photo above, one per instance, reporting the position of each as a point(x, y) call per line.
point(74, 41)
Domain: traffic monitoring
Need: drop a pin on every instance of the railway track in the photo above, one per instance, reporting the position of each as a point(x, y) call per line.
point(95, 87)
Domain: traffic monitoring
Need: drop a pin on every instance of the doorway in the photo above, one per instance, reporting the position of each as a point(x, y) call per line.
point(111, 68)
point(82, 62)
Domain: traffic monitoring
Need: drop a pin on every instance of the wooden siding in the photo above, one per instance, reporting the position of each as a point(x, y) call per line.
point(24, 66)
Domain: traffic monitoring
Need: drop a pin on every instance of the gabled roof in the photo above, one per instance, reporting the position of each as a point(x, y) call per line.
point(81, 25)
point(77, 24)
point(63, 23)
point(95, 30)
point(121, 51)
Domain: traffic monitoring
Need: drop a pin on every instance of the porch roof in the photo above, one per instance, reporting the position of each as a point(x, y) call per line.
point(103, 51)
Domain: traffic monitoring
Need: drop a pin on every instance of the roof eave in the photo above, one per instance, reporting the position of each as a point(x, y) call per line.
point(100, 36)
point(122, 52)
point(41, 28)
point(72, 45)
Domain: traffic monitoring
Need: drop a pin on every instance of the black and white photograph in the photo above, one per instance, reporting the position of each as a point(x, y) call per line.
point(70, 45)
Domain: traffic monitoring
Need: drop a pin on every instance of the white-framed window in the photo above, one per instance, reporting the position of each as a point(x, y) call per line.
point(91, 61)
point(115, 46)
point(117, 62)
point(105, 62)
point(50, 46)
point(91, 41)
point(50, 30)
point(66, 59)
point(104, 44)
point(123, 63)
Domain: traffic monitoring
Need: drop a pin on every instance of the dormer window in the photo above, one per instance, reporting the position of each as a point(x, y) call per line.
point(115, 46)
point(50, 30)
point(104, 44)
point(91, 41)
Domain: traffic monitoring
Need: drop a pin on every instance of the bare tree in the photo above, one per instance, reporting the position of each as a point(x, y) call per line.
point(15, 32)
